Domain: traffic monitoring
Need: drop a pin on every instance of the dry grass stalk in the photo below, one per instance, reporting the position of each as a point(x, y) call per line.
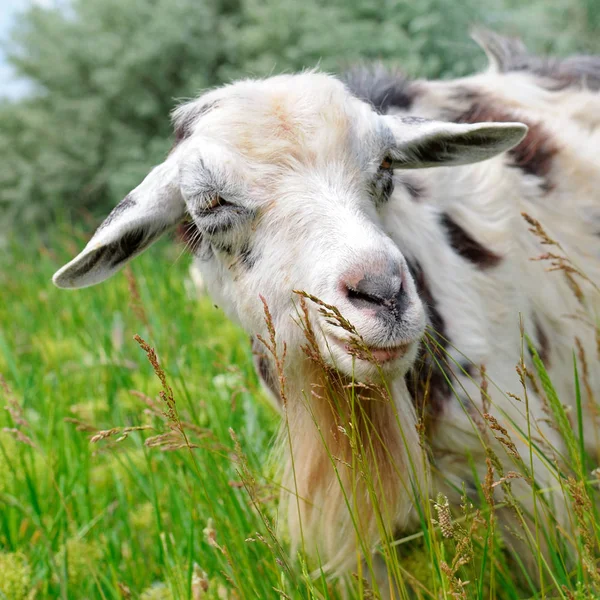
point(483, 389)
point(124, 590)
point(585, 377)
point(122, 432)
point(444, 520)
point(13, 407)
point(17, 415)
point(273, 350)
point(488, 484)
point(19, 436)
point(166, 394)
point(259, 494)
point(502, 435)
point(584, 515)
point(199, 583)
point(464, 532)
point(169, 441)
point(559, 262)
point(81, 425)
point(135, 299)
point(367, 591)
point(509, 475)
point(176, 438)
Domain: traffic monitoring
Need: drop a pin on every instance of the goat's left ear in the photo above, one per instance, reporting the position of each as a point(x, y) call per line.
point(135, 223)
point(420, 143)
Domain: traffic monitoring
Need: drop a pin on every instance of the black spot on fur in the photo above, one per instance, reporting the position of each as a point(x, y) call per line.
point(428, 381)
point(183, 127)
point(543, 342)
point(467, 247)
point(247, 256)
point(467, 368)
point(225, 248)
point(123, 206)
point(381, 88)
point(533, 155)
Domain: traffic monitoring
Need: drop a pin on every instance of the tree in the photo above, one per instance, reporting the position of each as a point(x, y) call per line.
point(106, 74)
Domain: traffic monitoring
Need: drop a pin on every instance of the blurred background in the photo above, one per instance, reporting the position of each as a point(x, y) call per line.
point(86, 86)
point(86, 89)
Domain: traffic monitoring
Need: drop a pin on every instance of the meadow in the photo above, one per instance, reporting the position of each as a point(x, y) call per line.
point(117, 484)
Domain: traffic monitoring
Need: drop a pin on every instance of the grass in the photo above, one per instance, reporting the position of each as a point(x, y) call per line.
point(117, 484)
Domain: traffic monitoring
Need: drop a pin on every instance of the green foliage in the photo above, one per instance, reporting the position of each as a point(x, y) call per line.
point(15, 576)
point(107, 73)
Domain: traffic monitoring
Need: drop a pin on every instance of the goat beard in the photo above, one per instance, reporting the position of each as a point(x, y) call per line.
point(353, 466)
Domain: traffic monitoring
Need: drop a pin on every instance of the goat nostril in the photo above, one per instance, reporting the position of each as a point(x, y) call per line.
point(357, 297)
point(379, 291)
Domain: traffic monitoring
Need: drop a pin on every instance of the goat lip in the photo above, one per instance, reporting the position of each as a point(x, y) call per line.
point(380, 355)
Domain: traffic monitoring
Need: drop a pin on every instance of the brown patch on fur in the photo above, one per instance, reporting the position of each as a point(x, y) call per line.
point(543, 347)
point(534, 155)
point(285, 126)
point(356, 425)
point(467, 247)
point(429, 379)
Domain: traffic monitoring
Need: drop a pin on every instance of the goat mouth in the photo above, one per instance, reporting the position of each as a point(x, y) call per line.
point(378, 354)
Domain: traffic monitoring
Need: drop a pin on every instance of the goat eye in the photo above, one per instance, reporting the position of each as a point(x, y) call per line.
point(386, 164)
point(220, 216)
point(218, 201)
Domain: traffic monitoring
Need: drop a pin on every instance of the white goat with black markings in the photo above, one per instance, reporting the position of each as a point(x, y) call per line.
point(395, 202)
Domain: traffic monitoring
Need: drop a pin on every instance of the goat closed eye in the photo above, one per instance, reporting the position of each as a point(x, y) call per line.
point(383, 182)
point(220, 216)
point(386, 164)
point(217, 202)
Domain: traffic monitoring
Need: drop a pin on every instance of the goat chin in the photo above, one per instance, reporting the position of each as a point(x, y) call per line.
point(353, 465)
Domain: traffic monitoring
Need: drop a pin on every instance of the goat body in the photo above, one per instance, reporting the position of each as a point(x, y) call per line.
point(395, 207)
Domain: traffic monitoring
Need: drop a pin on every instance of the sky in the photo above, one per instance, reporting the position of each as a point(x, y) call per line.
point(10, 85)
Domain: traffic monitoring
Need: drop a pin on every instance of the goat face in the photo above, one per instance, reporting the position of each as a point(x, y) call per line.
point(282, 179)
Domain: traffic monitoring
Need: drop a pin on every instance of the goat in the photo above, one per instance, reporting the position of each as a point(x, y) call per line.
point(398, 203)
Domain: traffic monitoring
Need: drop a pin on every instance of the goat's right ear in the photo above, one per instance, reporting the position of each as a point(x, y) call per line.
point(421, 143)
point(152, 208)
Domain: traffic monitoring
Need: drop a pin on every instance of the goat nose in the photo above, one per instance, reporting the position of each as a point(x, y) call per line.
point(380, 292)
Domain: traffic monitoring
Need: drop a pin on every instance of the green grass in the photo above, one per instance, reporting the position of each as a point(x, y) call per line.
point(154, 514)
point(90, 517)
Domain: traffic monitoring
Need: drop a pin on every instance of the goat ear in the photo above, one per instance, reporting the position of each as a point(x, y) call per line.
point(133, 225)
point(421, 143)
